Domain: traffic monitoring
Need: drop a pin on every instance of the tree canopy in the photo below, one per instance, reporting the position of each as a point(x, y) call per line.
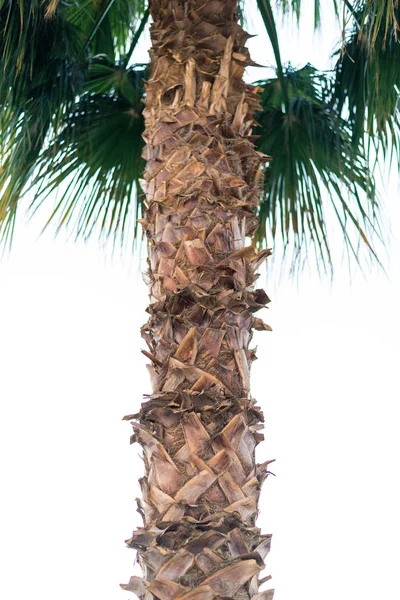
point(71, 97)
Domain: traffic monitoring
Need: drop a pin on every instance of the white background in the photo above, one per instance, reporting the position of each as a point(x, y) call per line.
point(327, 379)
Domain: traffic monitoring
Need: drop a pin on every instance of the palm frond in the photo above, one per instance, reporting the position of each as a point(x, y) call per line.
point(94, 163)
point(37, 82)
point(53, 92)
point(368, 83)
point(378, 19)
point(267, 14)
point(314, 163)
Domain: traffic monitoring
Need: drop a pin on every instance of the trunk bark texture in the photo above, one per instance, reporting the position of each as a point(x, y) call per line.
point(199, 427)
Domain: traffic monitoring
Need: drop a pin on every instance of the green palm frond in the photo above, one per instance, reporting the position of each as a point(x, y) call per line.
point(37, 84)
point(94, 163)
point(368, 81)
point(314, 163)
point(28, 39)
point(379, 19)
point(48, 71)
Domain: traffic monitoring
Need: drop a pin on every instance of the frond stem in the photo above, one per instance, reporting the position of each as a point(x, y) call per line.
point(136, 37)
point(269, 22)
point(98, 23)
point(352, 11)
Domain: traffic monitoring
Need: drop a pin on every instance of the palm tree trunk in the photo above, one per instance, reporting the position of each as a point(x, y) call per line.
point(199, 428)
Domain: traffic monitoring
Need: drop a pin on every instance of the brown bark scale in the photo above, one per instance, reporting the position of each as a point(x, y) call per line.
point(199, 428)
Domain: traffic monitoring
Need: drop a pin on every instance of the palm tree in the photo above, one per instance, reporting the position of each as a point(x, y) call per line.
point(72, 120)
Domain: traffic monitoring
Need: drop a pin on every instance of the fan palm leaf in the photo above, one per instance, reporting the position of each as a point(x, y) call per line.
point(313, 159)
point(46, 74)
point(37, 82)
point(379, 19)
point(368, 78)
point(97, 156)
point(301, 127)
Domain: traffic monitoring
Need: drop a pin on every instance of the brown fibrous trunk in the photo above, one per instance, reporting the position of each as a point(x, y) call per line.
point(200, 426)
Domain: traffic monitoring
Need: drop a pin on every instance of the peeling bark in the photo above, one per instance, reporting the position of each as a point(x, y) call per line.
point(200, 427)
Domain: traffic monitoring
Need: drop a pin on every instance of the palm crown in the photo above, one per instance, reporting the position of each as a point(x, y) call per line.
point(71, 97)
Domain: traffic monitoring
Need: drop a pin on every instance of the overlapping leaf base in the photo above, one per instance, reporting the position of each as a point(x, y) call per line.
point(200, 427)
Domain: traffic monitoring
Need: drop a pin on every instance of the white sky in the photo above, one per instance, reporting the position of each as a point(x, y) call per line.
point(327, 379)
